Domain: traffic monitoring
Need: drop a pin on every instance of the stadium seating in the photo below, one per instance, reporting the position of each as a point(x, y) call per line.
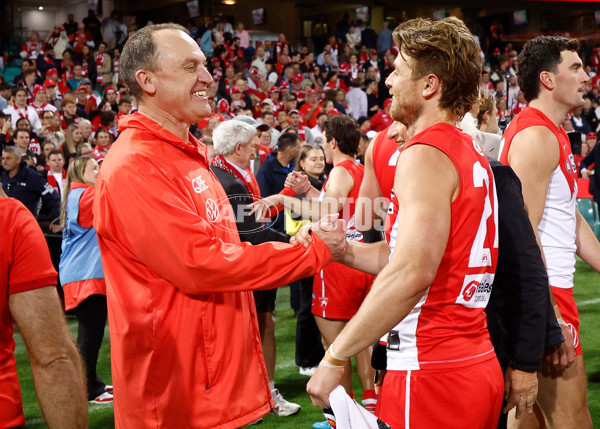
point(589, 210)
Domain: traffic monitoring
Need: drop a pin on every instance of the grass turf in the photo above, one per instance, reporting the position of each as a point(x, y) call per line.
point(292, 385)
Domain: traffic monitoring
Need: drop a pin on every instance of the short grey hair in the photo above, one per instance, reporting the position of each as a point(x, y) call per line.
point(229, 133)
point(13, 149)
point(140, 53)
point(83, 121)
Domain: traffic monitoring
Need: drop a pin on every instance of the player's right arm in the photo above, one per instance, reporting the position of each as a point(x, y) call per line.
point(533, 155)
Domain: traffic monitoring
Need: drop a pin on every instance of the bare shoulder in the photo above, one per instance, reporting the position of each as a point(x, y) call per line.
point(340, 182)
point(413, 179)
point(535, 146)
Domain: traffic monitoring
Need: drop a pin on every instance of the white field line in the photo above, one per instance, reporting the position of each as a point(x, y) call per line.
point(588, 302)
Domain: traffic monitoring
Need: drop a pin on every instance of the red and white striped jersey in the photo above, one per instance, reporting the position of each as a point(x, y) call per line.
point(447, 328)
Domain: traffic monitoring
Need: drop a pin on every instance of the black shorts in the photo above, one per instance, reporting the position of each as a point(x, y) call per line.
point(265, 300)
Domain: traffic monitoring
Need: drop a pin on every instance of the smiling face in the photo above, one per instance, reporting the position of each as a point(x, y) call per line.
point(405, 106)
point(314, 163)
point(180, 81)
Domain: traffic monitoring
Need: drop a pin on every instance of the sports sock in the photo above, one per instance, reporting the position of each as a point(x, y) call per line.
point(272, 384)
point(369, 400)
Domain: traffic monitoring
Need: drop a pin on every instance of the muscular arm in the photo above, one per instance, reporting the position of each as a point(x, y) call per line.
point(338, 187)
point(55, 362)
point(533, 156)
point(424, 211)
point(367, 257)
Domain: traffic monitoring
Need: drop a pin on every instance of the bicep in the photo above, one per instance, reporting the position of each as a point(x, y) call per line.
point(338, 186)
point(533, 160)
point(424, 210)
point(40, 320)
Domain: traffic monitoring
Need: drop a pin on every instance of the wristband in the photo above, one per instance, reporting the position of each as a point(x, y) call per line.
point(562, 322)
point(330, 365)
point(331, 362)
point(335, 356)
point(557, 312)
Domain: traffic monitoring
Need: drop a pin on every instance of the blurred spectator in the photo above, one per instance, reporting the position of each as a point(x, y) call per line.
point(93, 27)
point(70, 25)
point(20, 109)
point(79, 39)
point(28, 186)
point(384, 40)
point(357, 100)
point(381, 120)
point(81, 273)
point(110, 30)
point(243, 36)
point(33, 47)
point(103, 66)
point(56, 174)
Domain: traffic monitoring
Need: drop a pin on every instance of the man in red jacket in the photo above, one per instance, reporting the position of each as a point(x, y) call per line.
point(184, 337)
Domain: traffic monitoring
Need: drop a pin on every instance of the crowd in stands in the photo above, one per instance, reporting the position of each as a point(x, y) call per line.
point(69, 97)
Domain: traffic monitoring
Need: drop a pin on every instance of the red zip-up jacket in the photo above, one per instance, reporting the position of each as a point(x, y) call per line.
point(185, 345)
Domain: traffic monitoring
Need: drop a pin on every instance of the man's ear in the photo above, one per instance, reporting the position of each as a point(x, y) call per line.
point(486, 118)
point(431, 86)
point(547, 79)
point(145, 80)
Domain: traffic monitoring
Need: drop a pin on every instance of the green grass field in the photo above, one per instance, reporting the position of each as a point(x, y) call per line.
point(292, 385)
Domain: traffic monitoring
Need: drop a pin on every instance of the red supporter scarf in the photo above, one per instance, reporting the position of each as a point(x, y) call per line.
point(20, 111)
point(251, 184)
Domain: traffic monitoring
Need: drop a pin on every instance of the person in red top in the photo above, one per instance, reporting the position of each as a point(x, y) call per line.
point(28, 298)
point(430, 294)
point(380, 170)
point(33, 47)
point(382, 119)
point(185, 346)
point(311, 109)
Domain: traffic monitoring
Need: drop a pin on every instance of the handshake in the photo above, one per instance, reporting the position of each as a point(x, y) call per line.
point(331, 230)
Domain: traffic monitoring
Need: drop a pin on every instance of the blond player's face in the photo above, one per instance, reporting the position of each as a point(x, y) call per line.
point(403, 89)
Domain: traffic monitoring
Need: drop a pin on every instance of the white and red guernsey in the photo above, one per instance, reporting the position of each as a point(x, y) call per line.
point(559, 221)
point(448, 328)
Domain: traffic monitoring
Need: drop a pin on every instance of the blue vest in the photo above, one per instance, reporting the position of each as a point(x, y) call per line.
point(80, 257)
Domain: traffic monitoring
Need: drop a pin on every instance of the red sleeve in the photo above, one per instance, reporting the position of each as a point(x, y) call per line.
point(192, 256)
point(86, 202)
point(31, 266)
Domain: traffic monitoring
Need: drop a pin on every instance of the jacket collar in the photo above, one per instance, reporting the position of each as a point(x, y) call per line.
point(138, 121)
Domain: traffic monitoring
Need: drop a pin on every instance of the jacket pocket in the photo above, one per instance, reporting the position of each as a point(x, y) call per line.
point(203, 354)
